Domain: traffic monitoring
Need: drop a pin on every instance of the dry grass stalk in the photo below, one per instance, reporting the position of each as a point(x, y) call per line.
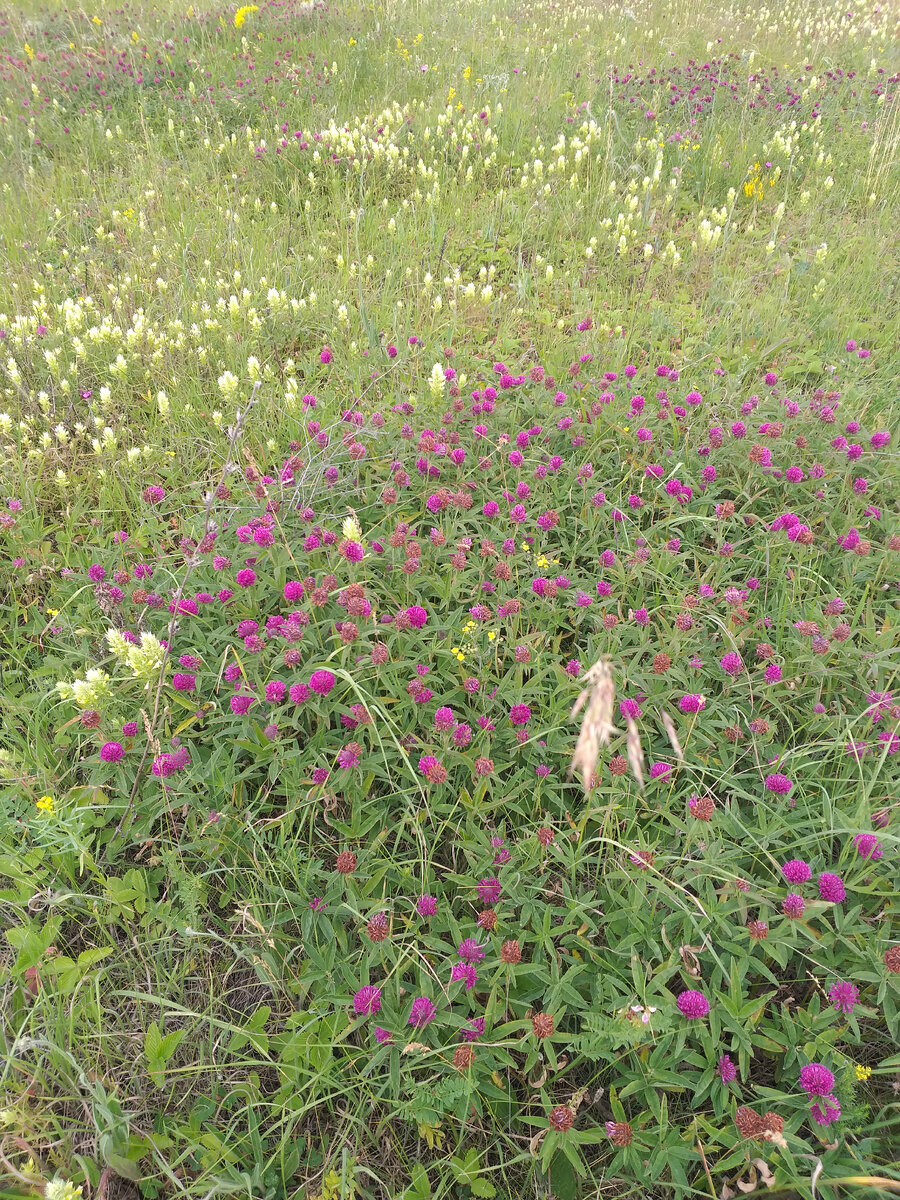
point(669, 727)
point(634, 750)
point(597, 725)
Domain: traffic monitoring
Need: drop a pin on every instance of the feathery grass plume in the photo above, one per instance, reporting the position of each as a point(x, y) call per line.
point(634, 750)
point(597, 725)
point(669, 727)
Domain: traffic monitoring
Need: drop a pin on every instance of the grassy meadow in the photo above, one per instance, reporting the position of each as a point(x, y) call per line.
point(449, 561)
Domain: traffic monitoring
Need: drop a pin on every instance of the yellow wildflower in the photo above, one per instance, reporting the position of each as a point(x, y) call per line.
point(862, 1073)
point(29, 51)
point(242, 13)
point(45, 804)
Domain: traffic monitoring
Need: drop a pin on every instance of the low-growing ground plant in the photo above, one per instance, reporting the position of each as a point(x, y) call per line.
point(449, 557)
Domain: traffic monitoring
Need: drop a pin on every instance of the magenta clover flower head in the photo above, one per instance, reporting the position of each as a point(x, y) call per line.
point(111, 752)
point(831, 888)
point(241, 704)
point(843, 996)
point(245, 578)
point(489, 890)
point(422, 1012)
point(795, 870)
point(367, 1001)
point(692, 1004)
point(129, 729)
point(519, 714)
point(444, 719)
point(383, 1035)
point(321, 682)
point(659, 770)
point(470, 950)
point(793, 906)
point(868, 846)
point(825, 1110)
point(731, 663)
point(466, 972)
point(473, 1030)
point(726, 1069)
point(417, 616)
point(692, 703)
point(781, 785)
point(293, 590)
point(183, 682)
point(426, 906)
point(816, 1079)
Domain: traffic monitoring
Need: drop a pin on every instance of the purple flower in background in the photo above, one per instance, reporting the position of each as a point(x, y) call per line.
point(692, 1004)
point(793, 906)
point(731, 663)
point(843, 996)
point(781, 785)
point(825, 1110)
point(489, 890)
point(816, 1079)
point(367, 1001)
point(321, 682)
point(726, 1069)
point(474, 1030)
point(426, 906)
point(868, 846)
point(470, 950)
point(795, 870)
point(831, 888)
point(422, 1012)
point(465, 972)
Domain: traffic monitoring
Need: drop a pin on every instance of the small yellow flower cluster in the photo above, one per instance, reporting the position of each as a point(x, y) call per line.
point(862, 1073)
point(755, 187)
point(242, 13)
point(45, 804)
point(540, 560)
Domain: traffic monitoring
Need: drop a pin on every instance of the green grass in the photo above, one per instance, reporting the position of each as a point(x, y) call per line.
point(190, 213)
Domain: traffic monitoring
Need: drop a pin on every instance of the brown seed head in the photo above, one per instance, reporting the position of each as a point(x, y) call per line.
point(619, 1133)
point(542, 1024)
point(463, 1058)
point(561, 1118)
point(702, 808)
point(511, 952)
point(377, 928)
point(749, 1123)
point(345, 862)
